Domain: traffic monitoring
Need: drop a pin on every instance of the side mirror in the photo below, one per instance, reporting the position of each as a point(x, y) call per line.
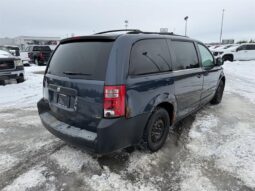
point(219, 61)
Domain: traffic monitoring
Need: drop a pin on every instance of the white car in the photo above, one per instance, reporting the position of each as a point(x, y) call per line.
point(236, 52)
point(245, 52)
point(24, 57)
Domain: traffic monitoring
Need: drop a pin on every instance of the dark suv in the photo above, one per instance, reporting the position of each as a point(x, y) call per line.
point(110, 91)
point(39, 54)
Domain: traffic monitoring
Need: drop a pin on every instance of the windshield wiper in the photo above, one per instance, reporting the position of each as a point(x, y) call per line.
point(76, 74)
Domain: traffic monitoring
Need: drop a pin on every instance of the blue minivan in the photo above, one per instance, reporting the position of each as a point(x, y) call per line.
point(109, 91)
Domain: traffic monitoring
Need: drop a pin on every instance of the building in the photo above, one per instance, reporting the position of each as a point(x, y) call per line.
point(7, 41)
point(23, 41)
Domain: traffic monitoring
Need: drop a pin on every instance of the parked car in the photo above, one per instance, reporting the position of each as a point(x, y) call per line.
point(236, 52)
point(39, 54)
point(14, 50)
point(25, 57)
point(11, 67)
point(107, 92)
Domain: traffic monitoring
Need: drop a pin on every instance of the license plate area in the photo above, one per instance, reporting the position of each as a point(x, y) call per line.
point(63, 100)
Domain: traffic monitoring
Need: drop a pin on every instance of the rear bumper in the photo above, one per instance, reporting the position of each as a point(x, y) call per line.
point(111, 135)
point(12, 74)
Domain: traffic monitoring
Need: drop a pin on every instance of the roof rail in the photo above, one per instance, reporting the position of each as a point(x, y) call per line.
point(160, 33)
point(137, 31)
point(120, 30)
point(163, 33)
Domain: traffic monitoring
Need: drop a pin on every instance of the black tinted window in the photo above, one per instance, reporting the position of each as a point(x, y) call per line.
point(87, 59)
point(244, 47)
point(251, 47)
point(41, 48)
point(186, 55)
point(150, 56)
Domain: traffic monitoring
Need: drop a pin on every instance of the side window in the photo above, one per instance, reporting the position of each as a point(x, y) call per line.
point(149, 56)
point(243, 47)
point(251, 47)
point(186, 55)
point(206, 56)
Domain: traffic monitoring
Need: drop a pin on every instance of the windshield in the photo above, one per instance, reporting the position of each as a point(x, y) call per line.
point(87, 60)
point(42, 48)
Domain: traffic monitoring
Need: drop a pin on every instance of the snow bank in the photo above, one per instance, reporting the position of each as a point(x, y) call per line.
point(240, 78)
point(25, 94)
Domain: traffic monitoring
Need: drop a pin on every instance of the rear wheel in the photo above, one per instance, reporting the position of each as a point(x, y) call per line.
point(20, 80)
point(157, 130)
point(219, 93)
point(2, 82)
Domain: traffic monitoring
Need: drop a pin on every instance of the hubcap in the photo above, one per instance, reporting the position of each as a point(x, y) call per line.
point(157, 130)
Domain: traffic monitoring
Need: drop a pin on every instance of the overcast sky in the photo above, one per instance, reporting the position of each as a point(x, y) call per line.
point(62, 17)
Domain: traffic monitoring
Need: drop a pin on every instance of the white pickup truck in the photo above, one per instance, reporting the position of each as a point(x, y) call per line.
point(11, 67)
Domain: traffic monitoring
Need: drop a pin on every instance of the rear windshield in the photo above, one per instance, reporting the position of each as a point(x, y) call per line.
point(41, 48)
point(86, 60)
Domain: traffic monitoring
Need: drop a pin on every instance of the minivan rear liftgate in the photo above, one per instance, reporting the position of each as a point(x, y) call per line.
point(74, 83)
point(76, 102)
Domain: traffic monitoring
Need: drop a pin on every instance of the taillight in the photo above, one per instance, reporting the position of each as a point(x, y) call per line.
point(114, 101)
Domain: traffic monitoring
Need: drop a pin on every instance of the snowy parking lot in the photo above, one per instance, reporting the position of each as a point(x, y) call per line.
point(213, 149)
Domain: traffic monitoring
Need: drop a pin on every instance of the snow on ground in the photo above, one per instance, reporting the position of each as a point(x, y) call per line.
point(7, 161)
point(25, 94)
point(28, 180)
point(240, 78)
point(74, 160)
point(213, 150)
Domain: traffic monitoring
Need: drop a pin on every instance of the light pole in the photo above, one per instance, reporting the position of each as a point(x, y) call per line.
point(126, 24)
point(222, 20)
point(186, 24)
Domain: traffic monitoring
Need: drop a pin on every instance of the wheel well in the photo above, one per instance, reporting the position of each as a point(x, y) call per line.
point(229, 55)
point(170, 109)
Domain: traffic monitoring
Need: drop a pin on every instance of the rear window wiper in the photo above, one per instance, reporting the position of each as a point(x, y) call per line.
point(76, 74)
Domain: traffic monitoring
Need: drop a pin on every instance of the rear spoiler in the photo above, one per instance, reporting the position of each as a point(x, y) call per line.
point(89, 39)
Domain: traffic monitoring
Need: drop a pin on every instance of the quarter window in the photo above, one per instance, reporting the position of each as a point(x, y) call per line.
point(186, 55)
point(244, 47)
point(206, 56)
point(149, 56)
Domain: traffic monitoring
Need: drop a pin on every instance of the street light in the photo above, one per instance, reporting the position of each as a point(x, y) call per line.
point(221, 28)
point(186, 24)
point(126, 24)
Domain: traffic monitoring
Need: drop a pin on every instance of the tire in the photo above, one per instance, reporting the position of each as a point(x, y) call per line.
point(157, 130)
point(218, 94)
point(2, 82)
point(20, 80)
